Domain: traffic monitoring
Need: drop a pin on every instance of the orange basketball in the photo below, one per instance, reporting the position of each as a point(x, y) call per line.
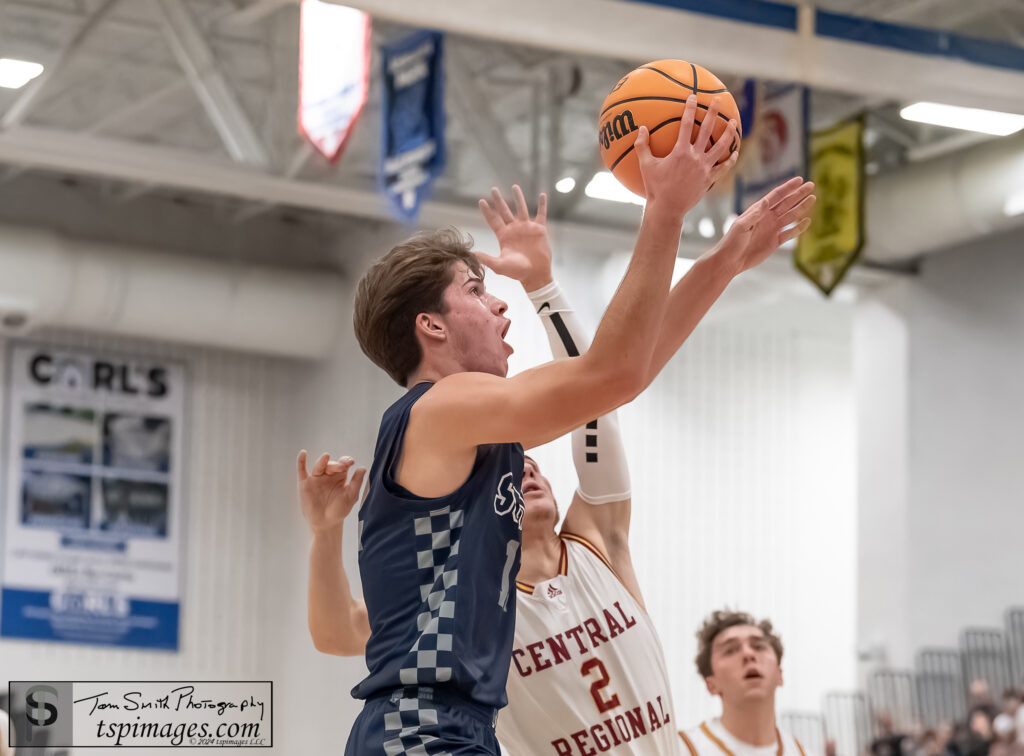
point(654, 95)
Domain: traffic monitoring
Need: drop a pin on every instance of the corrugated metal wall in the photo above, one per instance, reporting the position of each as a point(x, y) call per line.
point(743, 468)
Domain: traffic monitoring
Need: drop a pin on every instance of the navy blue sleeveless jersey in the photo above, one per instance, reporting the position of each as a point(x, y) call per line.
point(439, 574)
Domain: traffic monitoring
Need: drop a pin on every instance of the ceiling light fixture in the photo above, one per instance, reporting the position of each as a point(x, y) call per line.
point(968, 119)
point(1014, 204)
point(565, 185)
point(14, 74)
point(606, 187)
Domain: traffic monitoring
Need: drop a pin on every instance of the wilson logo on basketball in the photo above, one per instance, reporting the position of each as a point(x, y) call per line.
point(616, 128)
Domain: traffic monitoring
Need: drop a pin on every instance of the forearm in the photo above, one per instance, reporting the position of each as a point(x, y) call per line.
point(333, 610)
point(597, 449)
point(629, 330)
point(689, 301)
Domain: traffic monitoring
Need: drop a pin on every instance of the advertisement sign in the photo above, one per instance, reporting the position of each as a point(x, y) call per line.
point(92, 493)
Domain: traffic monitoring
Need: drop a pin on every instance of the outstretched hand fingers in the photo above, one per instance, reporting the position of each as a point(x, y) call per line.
point(522, 213)
point(724, 143)
point(706, 127)
point(642, 144)
point(542, 208)
point(798, 212)
point(355, 485)
point(501, 206)
point(794, 231)
point(491, 216)
point(686, 124)
point(302, 466)
point(723, 168)
point(490, 262)
point(777, 194)
point(321, 464)
point(340, 467)
point(793, 198)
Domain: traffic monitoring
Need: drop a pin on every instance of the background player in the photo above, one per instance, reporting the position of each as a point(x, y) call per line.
point(589, 595)
point(740, 660)
point(439, 532)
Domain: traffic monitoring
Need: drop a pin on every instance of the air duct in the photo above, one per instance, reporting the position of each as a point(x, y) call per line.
point(48, 280)
point(945, 201)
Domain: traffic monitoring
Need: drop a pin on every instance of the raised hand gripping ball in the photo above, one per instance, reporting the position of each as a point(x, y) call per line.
point(654, 95)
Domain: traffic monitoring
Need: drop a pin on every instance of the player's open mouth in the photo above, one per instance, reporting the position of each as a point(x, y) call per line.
point(530, 488)
point(753, 675)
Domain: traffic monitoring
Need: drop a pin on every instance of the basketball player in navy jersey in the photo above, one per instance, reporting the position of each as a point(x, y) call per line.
point(439, 531)
point(577, 590)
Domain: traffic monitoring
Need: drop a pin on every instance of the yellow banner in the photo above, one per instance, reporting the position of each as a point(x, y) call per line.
point(831, 245)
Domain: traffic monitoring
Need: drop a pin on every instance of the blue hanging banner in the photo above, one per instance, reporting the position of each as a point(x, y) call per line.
point(412, 142)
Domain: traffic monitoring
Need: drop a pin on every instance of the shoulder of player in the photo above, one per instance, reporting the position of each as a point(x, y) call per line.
point(581, 544)
point(693, 738)
point(791, 745)
point(444, 404)
point(456, 383)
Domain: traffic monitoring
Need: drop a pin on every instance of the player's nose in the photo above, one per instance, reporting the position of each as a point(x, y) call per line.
point(498, 306)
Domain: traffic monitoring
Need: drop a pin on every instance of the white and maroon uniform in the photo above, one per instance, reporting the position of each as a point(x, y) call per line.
point(711, 739)
point(588, 672)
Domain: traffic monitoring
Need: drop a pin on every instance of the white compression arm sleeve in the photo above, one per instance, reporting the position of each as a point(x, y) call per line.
point(596, 447)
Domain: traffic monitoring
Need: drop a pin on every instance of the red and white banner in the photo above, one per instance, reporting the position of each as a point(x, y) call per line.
point(334, 73)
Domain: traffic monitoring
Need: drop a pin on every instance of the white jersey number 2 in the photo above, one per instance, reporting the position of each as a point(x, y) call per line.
point(604, 699)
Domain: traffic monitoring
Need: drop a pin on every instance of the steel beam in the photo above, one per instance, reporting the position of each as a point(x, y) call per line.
point(480, 122)
point(21, 107)
point(637, 31)
point(222, 107)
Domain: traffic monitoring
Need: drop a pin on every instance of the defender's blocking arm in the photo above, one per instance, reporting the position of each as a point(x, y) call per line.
point(338, 622)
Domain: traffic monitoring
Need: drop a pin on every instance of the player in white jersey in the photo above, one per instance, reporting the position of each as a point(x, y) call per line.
point(740, 660)
point(588, 673)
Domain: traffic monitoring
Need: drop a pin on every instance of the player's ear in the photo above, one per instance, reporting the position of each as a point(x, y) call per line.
point(430, 326)
point(709, 682)
point(781, 683)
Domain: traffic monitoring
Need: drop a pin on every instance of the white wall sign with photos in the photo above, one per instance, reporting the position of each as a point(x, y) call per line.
point(92, 494)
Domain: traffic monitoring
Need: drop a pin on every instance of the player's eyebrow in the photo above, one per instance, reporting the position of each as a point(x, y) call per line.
point(738, 639)
point(471, 278)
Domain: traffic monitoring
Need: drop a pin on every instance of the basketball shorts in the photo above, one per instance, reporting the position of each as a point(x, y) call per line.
point(423, 721)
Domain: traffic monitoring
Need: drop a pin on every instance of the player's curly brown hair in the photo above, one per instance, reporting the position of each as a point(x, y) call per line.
point(722, 619)
point(408, 280)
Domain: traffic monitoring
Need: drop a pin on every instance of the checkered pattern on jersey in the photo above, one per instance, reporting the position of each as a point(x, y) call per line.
point(437, 558)
point(404, 725)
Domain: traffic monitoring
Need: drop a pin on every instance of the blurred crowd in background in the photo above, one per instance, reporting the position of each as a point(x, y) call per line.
point(994, 726)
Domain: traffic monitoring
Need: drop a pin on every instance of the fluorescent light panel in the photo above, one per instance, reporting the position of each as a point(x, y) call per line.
point(565, 185)
point(605, 186)
point(14, 74)
point(1014, 204)
point(967, 119)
